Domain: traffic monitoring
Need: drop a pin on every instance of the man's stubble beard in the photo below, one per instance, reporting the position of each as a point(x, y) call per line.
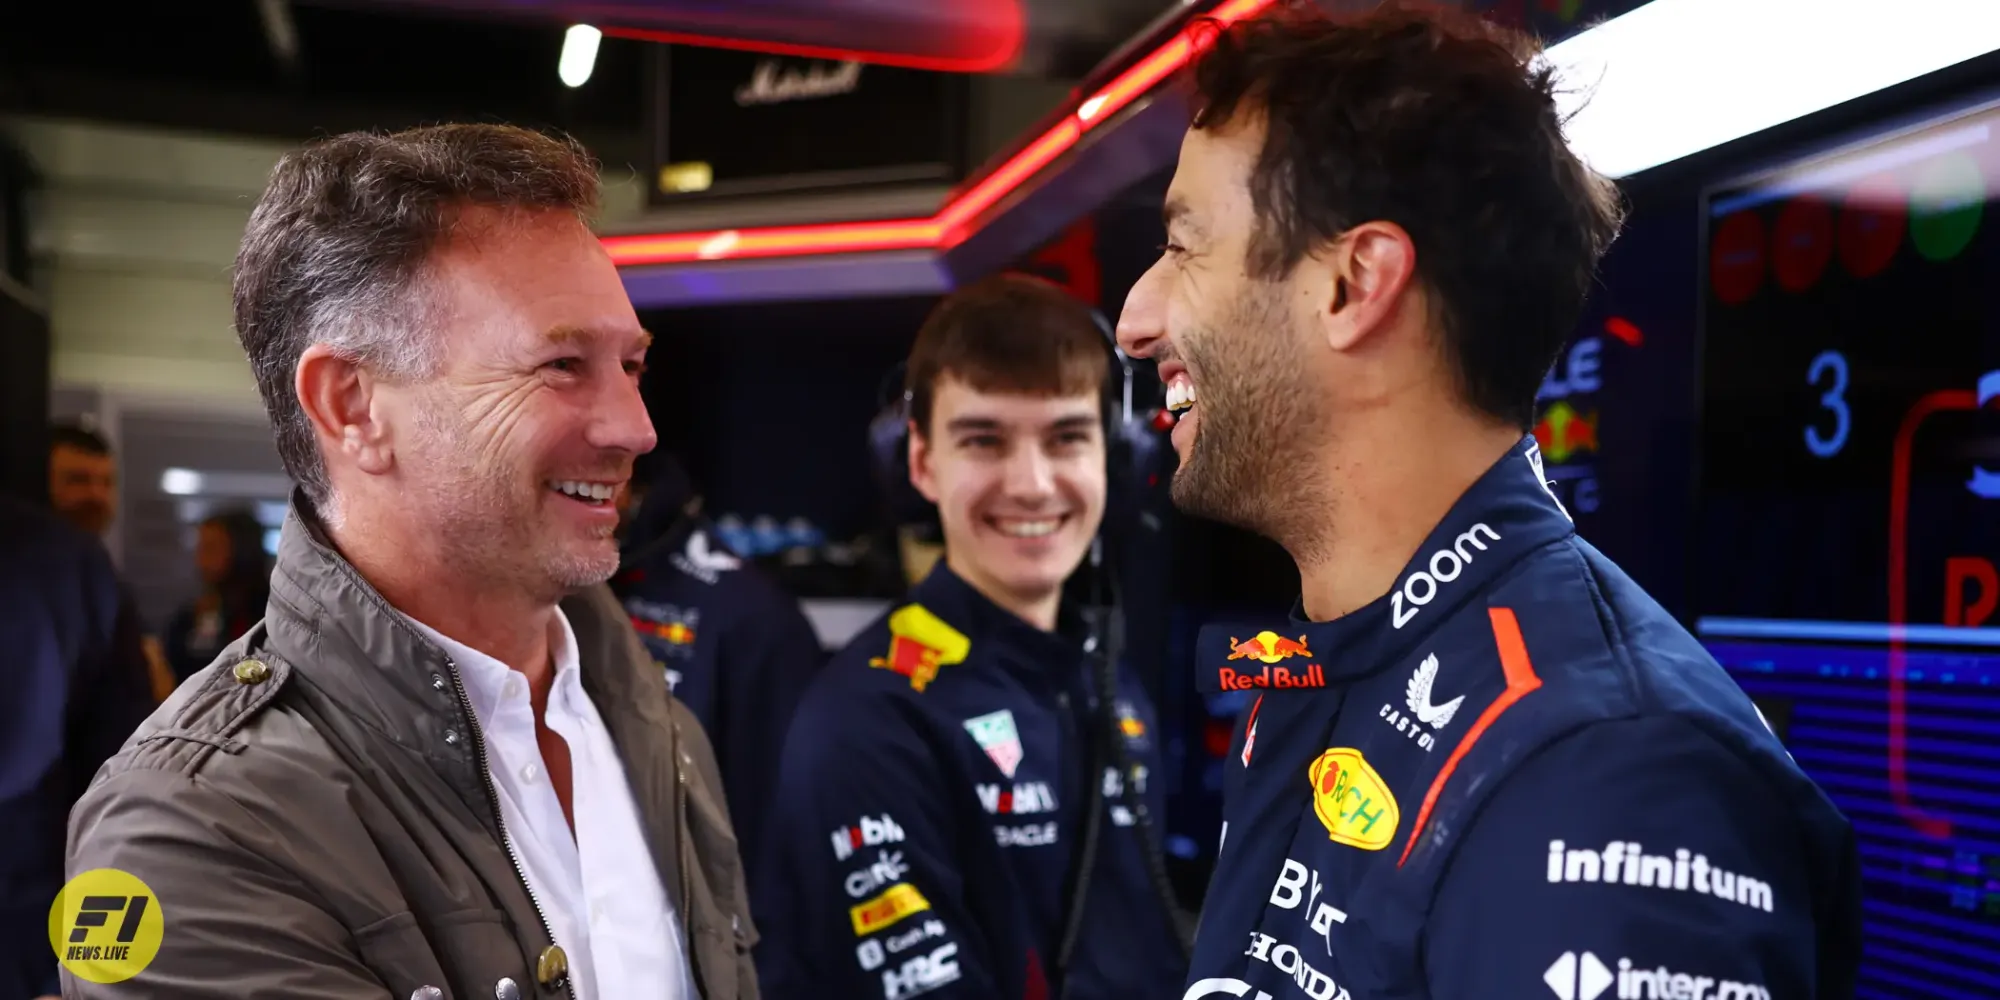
point(1257, 406)
point(489, 529)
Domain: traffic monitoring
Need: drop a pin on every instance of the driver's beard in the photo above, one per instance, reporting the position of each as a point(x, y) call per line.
point(1258, 403)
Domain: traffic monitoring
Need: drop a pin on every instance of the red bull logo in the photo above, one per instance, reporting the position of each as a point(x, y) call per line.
point(1565, 432)
point(677, 633)
point(1267, 647)
point(1313, 676)
point(919, 644)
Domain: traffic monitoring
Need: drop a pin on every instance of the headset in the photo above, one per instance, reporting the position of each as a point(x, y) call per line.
point(1132, 449)
point(1131, 446)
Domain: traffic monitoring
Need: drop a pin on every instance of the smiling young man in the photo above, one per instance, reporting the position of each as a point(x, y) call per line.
point(441, 765)
point(1496, 767)
point(937, 774)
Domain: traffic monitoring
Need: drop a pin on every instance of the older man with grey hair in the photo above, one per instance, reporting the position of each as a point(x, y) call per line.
point(442, 765)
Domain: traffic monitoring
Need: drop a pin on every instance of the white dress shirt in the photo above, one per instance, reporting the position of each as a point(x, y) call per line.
point(602, 895)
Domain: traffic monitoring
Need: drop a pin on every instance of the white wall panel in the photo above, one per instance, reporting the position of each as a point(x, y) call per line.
point(81, 225)
point(135, 231)
point(180, 165)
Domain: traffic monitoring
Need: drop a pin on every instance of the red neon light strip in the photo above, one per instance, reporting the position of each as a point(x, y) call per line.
point(952, 222)
point(1010, 36)
point(1923, 821)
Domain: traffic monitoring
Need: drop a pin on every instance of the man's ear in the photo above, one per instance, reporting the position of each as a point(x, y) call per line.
point(339, 400)
point(921, 475)
point(1360, 281)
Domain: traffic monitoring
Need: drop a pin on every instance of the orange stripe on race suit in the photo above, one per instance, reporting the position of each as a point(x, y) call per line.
point(1521, 679)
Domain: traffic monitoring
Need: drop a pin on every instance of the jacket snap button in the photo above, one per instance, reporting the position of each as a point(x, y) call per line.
point(451, 736)
point(553, 968)
point(251, 672)
point(427, 993)
point(437, 682)
point(506, 990)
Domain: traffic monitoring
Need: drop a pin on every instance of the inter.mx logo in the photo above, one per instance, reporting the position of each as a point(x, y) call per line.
point(1586, 977)
point(867, 833)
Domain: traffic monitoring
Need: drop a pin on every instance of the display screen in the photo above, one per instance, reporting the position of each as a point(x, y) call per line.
point(1849, 514)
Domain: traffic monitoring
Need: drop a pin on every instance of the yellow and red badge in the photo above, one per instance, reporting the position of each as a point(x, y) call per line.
point(675, 632)
point(920, 643)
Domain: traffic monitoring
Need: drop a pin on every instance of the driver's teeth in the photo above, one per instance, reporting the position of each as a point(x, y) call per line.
point(1180, 395)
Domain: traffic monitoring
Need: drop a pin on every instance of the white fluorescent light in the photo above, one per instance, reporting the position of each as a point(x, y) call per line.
point(180, 482)
point(1675, 77)
point(579, 54)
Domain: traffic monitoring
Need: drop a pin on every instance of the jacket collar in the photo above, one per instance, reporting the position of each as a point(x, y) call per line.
point(340, 634)
point(1509, 512)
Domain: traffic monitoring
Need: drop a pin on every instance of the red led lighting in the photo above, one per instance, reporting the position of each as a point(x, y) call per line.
point(1625, 330)
point(953, 222)
point(1000, 57)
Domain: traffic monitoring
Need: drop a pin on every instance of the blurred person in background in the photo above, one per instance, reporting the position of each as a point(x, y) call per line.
point(448, 767)
point(730, 643)
point(940, 783)
point(83, 490)
point(74, 689)
point(83, 478)
point(1482, 762)
point(235, 583)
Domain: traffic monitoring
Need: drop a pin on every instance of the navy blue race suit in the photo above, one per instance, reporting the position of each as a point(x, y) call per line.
point(732, 646)
point(932, 795)
point(1513, 776)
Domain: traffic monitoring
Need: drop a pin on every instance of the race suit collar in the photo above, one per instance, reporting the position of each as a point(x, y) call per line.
point(1508, 512)
point(948, 596)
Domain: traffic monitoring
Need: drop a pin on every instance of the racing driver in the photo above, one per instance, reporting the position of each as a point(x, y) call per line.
point(948, 772)
point(1483, 764)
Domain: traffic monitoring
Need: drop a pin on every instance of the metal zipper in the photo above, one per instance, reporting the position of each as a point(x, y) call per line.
point(680, 838)
point(500, 823)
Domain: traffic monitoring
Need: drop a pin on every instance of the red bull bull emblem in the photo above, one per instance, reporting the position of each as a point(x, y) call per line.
point(919, 644)
point(677, 633)
point(1564, 432)
point(1269, 648)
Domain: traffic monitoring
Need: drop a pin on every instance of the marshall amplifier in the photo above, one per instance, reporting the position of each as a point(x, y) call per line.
point(744, 123)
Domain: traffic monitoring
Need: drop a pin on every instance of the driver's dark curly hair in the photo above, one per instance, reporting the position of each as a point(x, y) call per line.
point(1445, 125)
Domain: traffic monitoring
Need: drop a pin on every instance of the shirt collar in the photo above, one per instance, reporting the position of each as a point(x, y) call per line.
point(486, 678)
point(1509, 512)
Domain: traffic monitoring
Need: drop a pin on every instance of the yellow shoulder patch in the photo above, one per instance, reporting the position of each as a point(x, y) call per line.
point(919, 643)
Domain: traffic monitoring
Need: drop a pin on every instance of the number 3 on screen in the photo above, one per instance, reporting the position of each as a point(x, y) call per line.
point(1834, 362)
